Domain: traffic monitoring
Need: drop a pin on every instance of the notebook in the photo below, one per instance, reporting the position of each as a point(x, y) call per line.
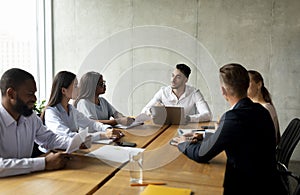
point(163, 190)
point(169, 115)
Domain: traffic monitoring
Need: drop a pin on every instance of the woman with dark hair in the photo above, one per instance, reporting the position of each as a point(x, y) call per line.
point(257, 92)
point(95, 107)
point(63, 118)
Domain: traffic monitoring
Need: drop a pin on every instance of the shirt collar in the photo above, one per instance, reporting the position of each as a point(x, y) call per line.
point(172, 94)
point(232, 106)
point(61, 108)
point(7, 118)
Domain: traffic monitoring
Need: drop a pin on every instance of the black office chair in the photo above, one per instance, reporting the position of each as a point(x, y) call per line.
point(284, 151)
point(288, 142)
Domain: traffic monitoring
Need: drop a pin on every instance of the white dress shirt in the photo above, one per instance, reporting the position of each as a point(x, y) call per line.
point(16, 143)
point(63, 123)
point(192, 100)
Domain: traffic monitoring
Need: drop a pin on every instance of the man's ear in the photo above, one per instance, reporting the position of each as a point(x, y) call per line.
point(186, 80)
point(224, 92)
point(11, 93)
point(259, 84)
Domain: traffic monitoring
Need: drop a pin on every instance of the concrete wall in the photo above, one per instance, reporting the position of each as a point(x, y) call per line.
point(136, 43)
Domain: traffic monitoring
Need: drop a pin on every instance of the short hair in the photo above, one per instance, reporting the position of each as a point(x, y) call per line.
point(236, 79)
point(13, 78)
point(184, 69)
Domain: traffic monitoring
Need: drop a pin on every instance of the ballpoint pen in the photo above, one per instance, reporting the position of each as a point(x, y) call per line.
point(145, 184)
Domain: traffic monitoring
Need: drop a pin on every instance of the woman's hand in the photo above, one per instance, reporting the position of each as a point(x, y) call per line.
point(117, 133)
point(113, 133)
point(125, 121)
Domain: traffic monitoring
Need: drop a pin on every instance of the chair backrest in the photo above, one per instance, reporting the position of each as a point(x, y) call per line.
point(288, 142)
point(297, 190)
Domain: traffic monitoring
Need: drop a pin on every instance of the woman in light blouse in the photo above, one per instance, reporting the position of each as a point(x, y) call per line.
point(95, 107)
point(257, 92)
point(63, 118)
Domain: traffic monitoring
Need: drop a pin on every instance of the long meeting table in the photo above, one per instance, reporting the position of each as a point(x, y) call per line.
point(162, 162)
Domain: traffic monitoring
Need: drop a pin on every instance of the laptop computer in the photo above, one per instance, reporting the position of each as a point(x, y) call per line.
point(168, 115)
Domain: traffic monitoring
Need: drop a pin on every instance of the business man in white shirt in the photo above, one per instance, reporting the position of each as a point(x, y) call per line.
point(20, 127)
point(180, 94)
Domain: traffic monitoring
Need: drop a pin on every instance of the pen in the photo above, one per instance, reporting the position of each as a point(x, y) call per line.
point(181, 132)
point(145, 184)
point(198, 130)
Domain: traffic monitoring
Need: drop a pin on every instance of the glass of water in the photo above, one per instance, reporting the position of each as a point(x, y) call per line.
point(136, 167)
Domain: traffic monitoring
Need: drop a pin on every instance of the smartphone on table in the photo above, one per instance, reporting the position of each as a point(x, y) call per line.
point(128, 144)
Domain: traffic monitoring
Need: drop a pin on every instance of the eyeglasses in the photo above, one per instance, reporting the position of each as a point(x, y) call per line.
point(102, 84)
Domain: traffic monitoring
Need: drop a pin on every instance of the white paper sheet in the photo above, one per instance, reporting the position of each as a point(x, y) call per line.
point(114, 153)
point(76, 141)
point(188, 131)
point(103, 141)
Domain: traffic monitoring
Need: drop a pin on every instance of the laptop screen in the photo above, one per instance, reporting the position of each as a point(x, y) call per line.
point(169, 115)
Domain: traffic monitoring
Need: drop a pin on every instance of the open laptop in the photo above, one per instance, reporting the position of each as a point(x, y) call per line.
point(169, 115)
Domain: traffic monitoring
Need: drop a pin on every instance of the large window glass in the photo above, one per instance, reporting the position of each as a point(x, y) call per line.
point(23, 39)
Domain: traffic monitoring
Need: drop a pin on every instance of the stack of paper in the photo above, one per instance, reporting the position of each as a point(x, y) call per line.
point(103, 141)
point(114, 153)
point(163, 190)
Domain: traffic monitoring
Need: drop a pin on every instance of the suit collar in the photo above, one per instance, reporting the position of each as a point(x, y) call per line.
point(242, 102)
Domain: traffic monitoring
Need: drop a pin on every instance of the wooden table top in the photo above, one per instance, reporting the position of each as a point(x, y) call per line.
point(162, 162)
point(82, 174)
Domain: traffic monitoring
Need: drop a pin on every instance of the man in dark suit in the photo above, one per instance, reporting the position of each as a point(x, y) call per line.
point(246, 134)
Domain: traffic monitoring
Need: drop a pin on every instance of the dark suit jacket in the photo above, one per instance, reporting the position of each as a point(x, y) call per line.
point(247, 135)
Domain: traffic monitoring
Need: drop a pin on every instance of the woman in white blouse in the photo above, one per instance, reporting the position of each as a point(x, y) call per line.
point(257, 92)
point(63, 118)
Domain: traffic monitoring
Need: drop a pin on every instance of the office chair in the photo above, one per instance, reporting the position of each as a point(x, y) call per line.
point(286, 175)
point(284, 151)
point(288, 142)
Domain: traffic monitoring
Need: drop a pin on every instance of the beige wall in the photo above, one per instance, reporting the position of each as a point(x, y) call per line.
point(136, 43)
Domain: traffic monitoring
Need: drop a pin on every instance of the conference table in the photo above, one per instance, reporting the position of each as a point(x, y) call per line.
point(162, 163)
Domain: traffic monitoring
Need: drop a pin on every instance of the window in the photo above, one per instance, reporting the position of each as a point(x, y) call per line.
point(25, 31)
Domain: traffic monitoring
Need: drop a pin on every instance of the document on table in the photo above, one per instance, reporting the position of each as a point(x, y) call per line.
point(103, 141)
point(114, 153)
point(138, 120)
point(188, 131)
point(76, 141)
point(165, 190)
point(206, 132)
